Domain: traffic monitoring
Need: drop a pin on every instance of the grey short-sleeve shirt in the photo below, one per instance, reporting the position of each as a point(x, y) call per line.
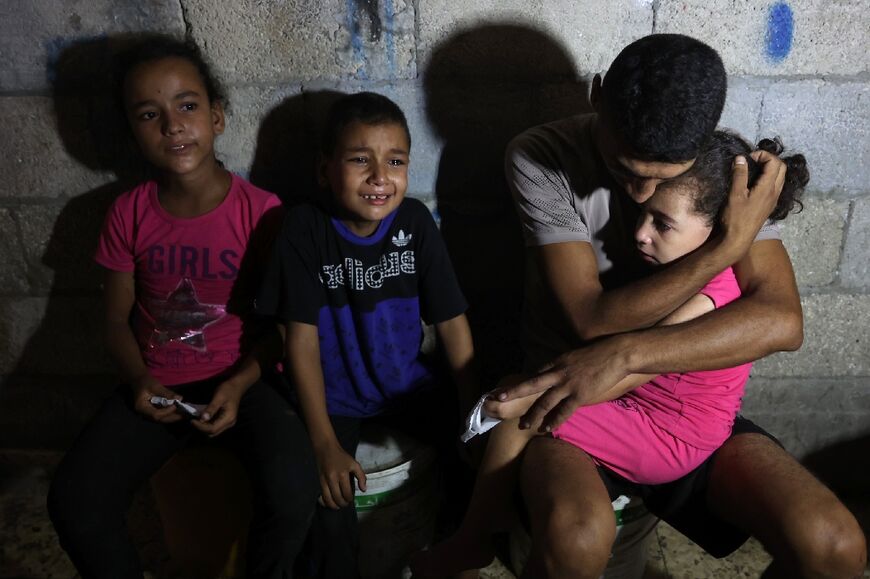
point(563, 192)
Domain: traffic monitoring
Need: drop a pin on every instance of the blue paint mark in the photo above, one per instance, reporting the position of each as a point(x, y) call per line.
point(780, 31)
point(389, 39)
point(356, 42)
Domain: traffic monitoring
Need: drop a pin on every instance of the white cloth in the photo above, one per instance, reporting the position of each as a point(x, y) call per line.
point(478, 421)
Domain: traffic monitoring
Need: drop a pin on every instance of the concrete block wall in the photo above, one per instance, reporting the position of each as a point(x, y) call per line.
point(469, 75)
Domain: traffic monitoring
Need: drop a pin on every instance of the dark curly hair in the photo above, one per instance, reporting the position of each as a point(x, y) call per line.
point(710, 176)
point(365, 107)
point(663, 96)
point(152, 47)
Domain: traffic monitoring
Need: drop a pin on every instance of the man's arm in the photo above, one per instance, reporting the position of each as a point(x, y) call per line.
point(766, 319)
point(570, 269)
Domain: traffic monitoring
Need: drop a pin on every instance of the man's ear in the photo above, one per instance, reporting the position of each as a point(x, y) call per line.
point(218, 117)
point(595, 94)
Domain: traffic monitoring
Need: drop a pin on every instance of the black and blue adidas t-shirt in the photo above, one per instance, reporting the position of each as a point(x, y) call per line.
point(366, 295)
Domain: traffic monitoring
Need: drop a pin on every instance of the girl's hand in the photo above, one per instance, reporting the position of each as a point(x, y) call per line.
point(336, 467)
point(222, 411)
point(510, 409)
point(146, 387)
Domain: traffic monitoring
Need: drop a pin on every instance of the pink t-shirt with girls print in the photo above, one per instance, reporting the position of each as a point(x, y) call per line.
point(186, 270)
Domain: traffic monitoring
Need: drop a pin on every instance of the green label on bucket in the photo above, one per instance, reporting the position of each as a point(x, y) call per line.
point(368, 502)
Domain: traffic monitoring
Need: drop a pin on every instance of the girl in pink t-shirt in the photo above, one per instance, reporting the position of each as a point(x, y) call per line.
point(181, 253)
point(656, 429)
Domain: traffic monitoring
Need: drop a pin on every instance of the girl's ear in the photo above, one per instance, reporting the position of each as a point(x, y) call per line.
point(218, 118)
point(322, 170)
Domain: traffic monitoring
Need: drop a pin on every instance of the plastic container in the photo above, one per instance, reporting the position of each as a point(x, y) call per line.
point(397, 512)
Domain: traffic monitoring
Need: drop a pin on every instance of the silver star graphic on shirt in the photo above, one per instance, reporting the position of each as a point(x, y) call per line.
point(181, 317)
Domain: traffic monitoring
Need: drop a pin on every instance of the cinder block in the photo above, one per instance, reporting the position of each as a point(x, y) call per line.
point(813, 238)
point(760, 37)
point(855, 271)
point(39, 161)
point(60, 241)
point(836, 338)
point(809, 414)
point(13, 270)
point(37, 32)
point(273, 40)
point(743, 107)
point(476, 121)
point(541, 39)
point(56, 335)
point(261, 122)
point(827, 122)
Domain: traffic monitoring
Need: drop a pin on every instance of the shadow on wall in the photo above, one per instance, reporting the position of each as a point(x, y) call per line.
point(484, 85)
point(285, 160)
point(63, 371)
point(845, 468)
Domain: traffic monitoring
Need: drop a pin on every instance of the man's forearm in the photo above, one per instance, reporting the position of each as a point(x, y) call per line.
point(742, 332)
point(645, 302)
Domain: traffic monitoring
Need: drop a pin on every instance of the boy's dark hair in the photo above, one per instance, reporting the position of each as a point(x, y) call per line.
point(364, 107)
point(710, 176)
point(152, 47)
point(663, 96)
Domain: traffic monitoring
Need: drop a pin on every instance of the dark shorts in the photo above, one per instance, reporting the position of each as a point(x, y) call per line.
point(682, 503)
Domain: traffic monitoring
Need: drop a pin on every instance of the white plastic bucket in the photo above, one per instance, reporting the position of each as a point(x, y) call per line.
point(397, 512)
point(634, 529)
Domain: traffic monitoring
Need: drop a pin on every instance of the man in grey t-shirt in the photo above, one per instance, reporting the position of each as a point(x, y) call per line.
point(577, 183)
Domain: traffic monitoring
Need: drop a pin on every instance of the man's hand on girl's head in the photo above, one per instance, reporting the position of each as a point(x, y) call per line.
point(748, 209)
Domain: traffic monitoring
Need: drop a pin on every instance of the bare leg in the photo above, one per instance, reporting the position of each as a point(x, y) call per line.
point(489, 510)
point(573, 527)
point(760, 488)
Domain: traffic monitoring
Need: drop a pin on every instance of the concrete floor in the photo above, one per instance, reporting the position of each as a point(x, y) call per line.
point(29, 548)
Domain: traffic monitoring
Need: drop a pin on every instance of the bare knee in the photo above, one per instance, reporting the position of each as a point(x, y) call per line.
point(573, 548)
point(831, 545)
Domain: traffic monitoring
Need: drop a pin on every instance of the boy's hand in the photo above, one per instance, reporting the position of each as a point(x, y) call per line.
point(222, 411)
point(336, 466)
point(146, 387)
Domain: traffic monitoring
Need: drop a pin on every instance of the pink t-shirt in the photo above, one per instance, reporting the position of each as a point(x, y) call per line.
point(185, 270)
point(698, 407)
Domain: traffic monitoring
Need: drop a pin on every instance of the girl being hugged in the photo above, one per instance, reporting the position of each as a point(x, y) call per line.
point(654, 429)
point(179, 256)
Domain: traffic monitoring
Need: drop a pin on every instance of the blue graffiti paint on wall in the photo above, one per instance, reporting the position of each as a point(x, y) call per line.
point(388, 37)
point(780, 31)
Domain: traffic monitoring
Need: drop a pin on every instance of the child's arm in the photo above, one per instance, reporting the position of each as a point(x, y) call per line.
point(119, 295)
point(335, 465)
point(697, 306)
point(224, 404)
point(455, 336)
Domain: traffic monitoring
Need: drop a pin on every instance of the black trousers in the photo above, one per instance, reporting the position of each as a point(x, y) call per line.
point(120, 449)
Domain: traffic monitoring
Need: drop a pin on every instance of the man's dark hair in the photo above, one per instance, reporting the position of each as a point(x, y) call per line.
point(663, 96)
point(364, 107)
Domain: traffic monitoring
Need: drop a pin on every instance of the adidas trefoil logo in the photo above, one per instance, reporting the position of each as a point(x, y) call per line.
point(401, 240)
